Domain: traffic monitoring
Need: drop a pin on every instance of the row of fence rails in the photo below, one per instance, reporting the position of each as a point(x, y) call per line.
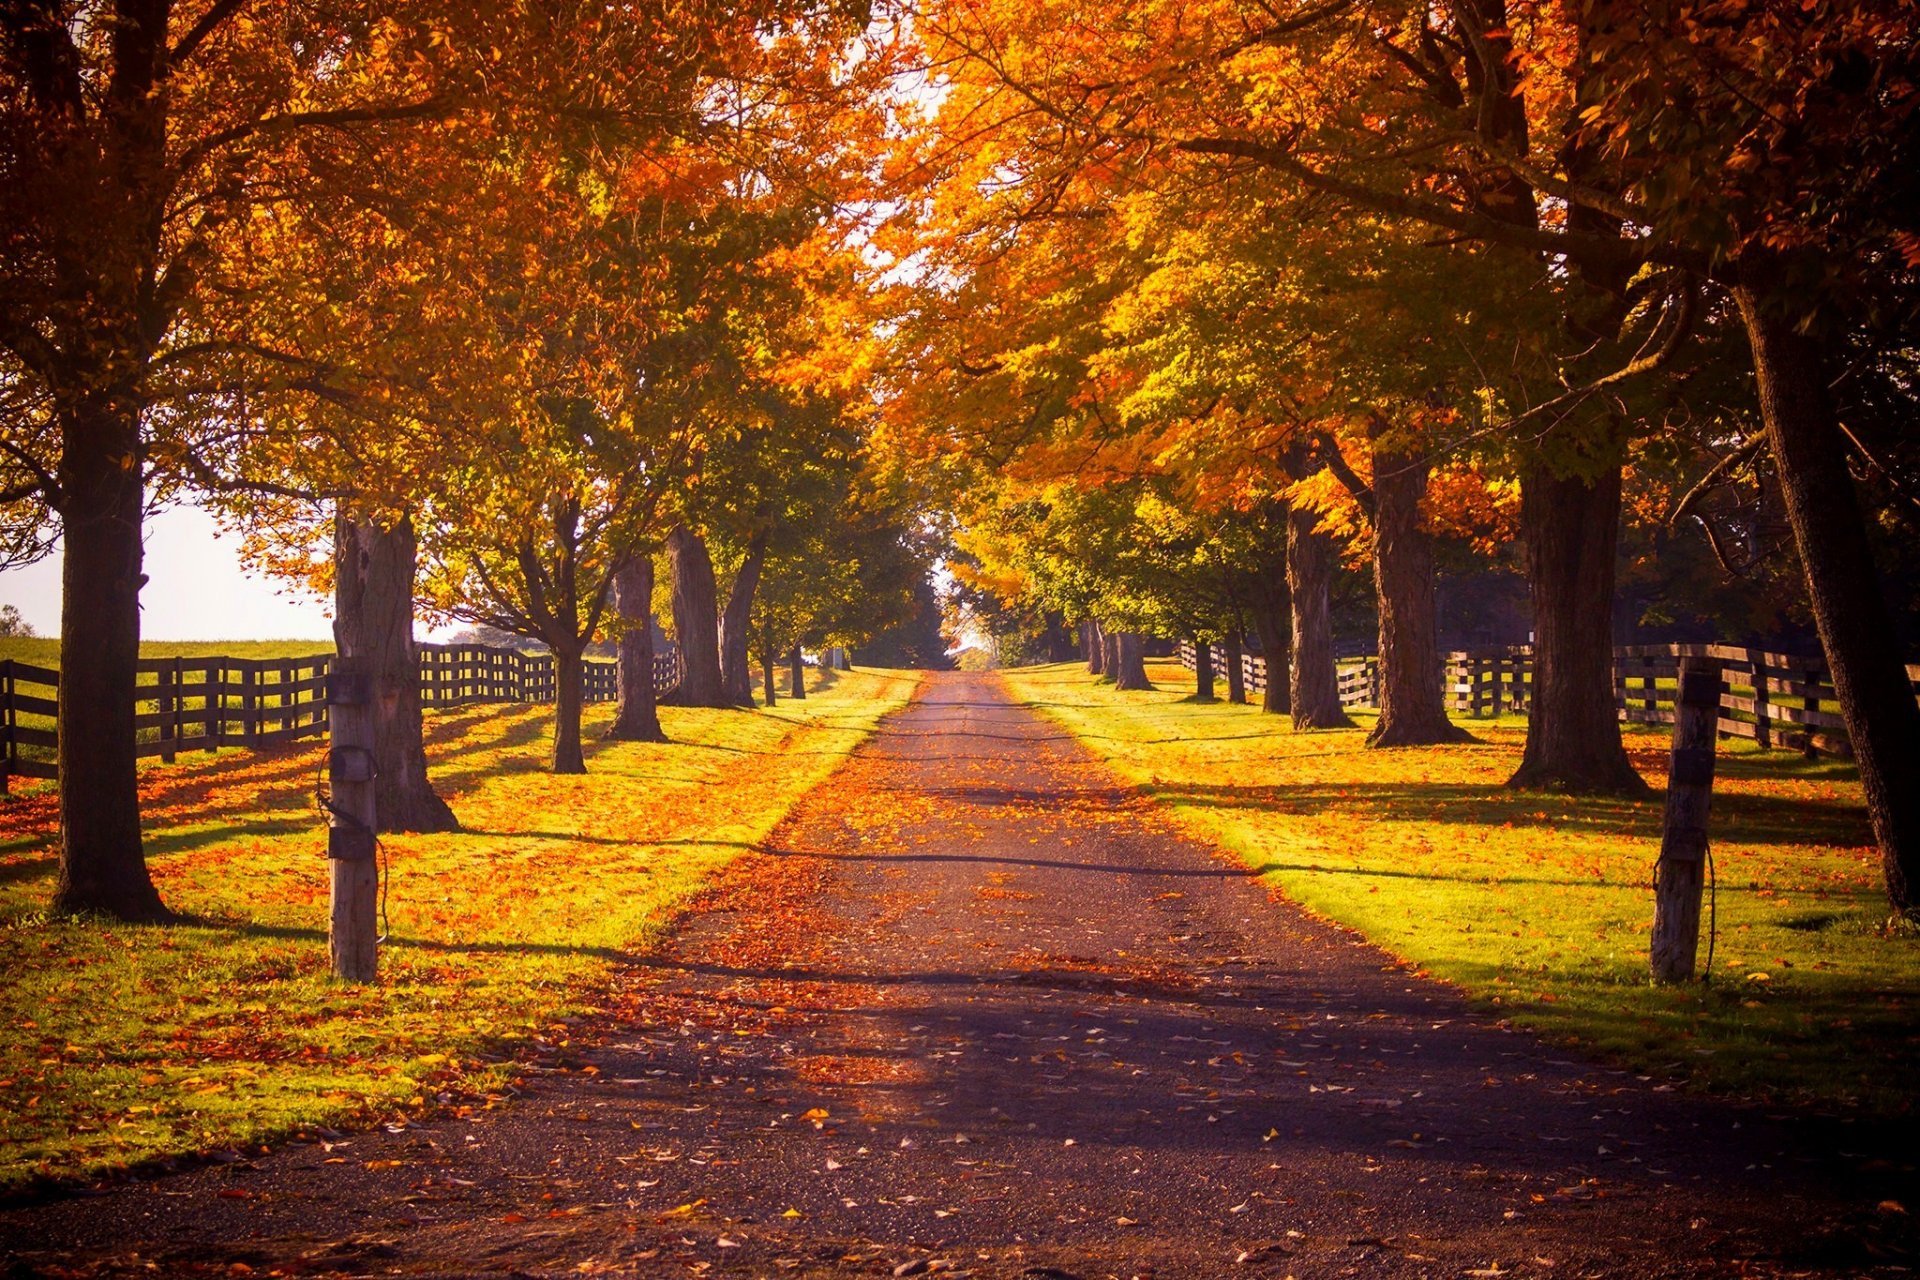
point(205, 703)
point(1775, 699)
point(1359, 681)
point(1253, 667)
point(1492, 682)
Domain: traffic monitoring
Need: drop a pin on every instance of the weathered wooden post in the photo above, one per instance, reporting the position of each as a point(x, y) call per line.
point(250, 705)
point(1680, 874)
point(10, 746)
point(1811, 748)
point(1762, 712)
point(167, 704)
point(216, 703)
point(351, 822)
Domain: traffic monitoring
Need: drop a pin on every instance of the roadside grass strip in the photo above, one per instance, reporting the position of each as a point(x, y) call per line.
point(127, 1044)
point(1539, 904)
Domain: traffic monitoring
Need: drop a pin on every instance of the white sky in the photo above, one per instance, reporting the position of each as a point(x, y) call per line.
point(196, 589)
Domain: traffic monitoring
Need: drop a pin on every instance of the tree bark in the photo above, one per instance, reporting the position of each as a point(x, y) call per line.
point(1236, 668)
point(1110, 652)
point(695, 621)
point(1572, 527)
point(1130, 665)
point(102, 862)
point(1313, 679)
point(736, 622)
point(1272, 623)
point(1413, 708)
point(796, 673)
point(1096, 646)
point(1829, 529)
point(635, 717)
point(373, 621)
point(1203, 671)
point(567, 671)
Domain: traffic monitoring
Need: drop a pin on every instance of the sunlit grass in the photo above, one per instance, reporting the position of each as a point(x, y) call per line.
point(127, 1043)
point(1541, 904)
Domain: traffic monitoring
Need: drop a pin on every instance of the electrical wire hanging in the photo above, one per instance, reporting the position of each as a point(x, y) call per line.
point(323, 803)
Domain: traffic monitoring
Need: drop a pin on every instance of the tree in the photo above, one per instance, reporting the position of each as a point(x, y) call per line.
point(159, 159)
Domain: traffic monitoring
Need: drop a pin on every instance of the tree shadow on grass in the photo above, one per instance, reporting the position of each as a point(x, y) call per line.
point(1737, 818)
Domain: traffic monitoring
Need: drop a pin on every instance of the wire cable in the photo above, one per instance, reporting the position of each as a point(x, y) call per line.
point(323, 802)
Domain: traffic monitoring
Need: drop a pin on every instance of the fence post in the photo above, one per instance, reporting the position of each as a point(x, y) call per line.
point(1813, 706)
point(1762, 712)
point(1650, 686)
point(250, 706)
point(1679, 875)
point(216, 704)
point(9, 750)
point(352, 933)
point(167, 700)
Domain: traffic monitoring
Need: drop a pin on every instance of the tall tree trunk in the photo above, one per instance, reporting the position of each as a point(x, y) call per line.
point(1272, 623)
point(1413, 709)
point(1110, 652)
point(796, 673)
point(1203, 671)
point(1313, 679)
point(1572, 528)
point(373, 620)
point(635, 717)
point(102, 863)
point(1863, 654)
point(568, 674)
point(1236, 647)
point(1096, 647)
point(736, 622)
point(695, 621)
point(1130, 667)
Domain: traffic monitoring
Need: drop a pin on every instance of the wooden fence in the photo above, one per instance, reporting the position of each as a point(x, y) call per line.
point(1777, 699)
point(203, 704)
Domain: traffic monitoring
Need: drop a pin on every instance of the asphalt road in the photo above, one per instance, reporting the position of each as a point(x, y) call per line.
point(980, 1009)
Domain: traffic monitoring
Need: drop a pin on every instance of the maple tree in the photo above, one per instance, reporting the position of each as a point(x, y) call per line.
point(156, 154)
point(1565, 141)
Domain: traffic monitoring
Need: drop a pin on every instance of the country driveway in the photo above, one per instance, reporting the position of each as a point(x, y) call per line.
point(981, 1009)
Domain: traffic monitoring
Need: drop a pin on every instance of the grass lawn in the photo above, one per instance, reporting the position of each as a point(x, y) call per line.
point(44, 651)
point(1541, 903)
point(123, 1044)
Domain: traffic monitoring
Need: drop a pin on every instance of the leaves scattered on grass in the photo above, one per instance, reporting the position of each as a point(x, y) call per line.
point(1541, 904)
point(136, 1043)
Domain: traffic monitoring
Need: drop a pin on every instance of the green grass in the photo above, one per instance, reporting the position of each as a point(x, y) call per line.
point(1540, 904)
point(44, 651)
point(124, 1044)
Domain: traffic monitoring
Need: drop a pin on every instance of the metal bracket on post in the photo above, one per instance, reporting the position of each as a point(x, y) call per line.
point(350, 764)
point(350, 844)
point(349, 688)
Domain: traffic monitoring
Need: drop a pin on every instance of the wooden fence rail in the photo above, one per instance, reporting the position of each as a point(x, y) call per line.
point(1777, 699)
point(203, 704)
